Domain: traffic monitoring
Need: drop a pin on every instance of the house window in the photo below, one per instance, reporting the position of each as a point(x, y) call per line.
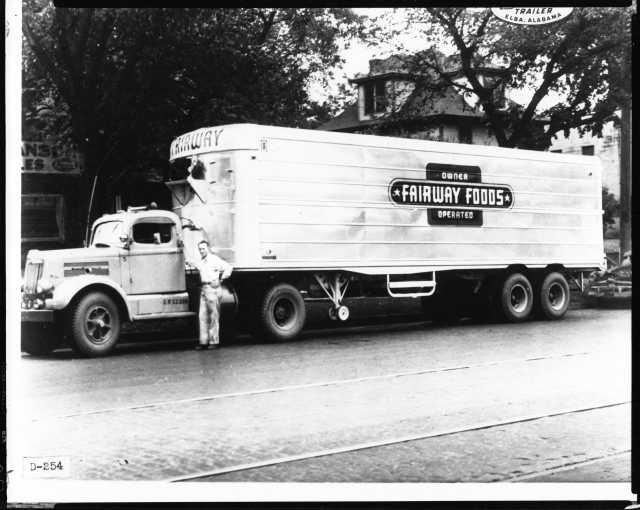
point(587, 150)
point(465, 134)
point(42, 218)
point(375, 99)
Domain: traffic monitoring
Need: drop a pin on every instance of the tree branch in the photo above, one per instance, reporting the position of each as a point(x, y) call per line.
point(268, 22)
point(46, 60)
point(549, 77)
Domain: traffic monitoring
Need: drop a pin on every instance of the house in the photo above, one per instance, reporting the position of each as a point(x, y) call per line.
point(607, 148)
point(615, 156)
point(391, 101)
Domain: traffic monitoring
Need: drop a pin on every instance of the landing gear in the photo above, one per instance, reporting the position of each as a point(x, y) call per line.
point(335, 287)
point(341, 313)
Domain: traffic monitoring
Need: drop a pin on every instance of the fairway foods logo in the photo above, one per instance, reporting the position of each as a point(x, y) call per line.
point(438, 194)
point(196, 141)
point(532, 15)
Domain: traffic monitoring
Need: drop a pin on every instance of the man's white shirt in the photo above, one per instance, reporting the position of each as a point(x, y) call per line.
point(211, 267)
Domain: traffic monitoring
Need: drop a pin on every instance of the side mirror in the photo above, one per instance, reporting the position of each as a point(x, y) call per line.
point(124, 239)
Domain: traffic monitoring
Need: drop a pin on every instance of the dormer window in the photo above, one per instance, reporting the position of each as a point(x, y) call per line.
point(375, 97)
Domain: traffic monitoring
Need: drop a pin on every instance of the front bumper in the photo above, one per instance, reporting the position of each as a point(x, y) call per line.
point(37, 316)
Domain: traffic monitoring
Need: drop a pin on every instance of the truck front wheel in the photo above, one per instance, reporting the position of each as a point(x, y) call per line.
point(283, 313)
point(95, 324)
point(516, 298)
point(553, 296)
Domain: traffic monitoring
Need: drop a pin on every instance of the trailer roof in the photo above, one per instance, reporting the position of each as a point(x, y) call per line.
point(254, 136)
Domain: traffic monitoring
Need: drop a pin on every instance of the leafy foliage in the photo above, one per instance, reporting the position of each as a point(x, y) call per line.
point(611, 209)
point(121, 83)
point(584, 60)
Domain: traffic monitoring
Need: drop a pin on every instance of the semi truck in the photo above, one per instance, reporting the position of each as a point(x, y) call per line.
point(306, 215)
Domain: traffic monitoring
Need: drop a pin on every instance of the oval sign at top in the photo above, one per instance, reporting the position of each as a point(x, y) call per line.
point(531, 15)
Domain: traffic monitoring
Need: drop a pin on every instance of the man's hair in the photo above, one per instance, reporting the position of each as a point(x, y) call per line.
point(204, 241)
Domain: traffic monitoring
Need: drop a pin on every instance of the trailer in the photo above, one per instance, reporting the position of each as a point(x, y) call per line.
point(303, 213)
point(308, 215)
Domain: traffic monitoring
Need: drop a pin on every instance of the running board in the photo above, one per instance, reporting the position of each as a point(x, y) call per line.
point(411, 288)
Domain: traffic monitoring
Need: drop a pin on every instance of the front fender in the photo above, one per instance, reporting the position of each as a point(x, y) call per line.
point(68, 288)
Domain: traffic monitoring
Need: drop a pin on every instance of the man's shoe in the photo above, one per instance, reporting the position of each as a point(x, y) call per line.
point(212, 346)
point(200, 347)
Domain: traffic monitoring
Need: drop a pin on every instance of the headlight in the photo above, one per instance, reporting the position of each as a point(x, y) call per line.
point(44, 285)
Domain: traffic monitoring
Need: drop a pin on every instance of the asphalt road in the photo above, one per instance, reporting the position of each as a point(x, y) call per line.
point(406, 402)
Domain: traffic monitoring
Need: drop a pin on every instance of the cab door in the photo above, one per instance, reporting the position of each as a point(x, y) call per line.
point(155, 257)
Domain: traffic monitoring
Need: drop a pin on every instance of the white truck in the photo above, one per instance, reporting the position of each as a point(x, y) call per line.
point(307, 215)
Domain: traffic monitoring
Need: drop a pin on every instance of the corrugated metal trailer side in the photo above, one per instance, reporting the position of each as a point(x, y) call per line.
point(310, 199)
point(325, 203)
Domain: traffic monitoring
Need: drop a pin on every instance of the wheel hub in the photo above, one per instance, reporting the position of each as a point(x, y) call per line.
point(283, 312)
point(99, 324)
point(557, 296)
point(519, 298)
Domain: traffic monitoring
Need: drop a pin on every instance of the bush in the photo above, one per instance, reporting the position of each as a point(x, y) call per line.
point(611, 208)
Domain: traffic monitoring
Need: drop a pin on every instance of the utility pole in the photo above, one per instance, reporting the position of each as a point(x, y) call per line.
point(625, 179)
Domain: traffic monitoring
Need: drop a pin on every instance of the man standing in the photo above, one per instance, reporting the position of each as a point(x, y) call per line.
point(212, 271)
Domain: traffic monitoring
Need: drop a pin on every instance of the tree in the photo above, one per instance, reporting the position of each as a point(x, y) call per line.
point(121, 83)
point(584, 59)
point(610, 210)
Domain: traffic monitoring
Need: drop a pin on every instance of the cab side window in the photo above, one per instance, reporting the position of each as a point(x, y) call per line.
point(152, 233)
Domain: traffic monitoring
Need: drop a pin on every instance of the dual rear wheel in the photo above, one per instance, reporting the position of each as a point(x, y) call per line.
point(518, 298)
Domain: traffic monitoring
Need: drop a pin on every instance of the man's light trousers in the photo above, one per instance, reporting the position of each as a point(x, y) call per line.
point(210, 314)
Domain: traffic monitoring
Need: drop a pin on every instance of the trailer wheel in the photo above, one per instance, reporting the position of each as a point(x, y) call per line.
point(553, 296)
point(283, 313)
point(94, 324)
point(516, 298)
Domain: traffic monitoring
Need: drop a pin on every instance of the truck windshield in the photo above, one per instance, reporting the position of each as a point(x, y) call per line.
point(107, 234)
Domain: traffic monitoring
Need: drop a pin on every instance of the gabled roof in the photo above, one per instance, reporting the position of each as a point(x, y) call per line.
point(345, 120)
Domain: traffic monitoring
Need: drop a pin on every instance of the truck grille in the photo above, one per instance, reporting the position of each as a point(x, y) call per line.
point(32, 273)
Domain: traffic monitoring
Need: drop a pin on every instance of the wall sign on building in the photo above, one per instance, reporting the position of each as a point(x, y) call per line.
point(50, 158)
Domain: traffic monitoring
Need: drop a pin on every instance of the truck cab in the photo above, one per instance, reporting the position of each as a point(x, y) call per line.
point(133, 269)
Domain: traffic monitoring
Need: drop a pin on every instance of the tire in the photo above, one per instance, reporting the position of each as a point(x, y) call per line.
point(94, 325)
point(516, 298)
point(282, 313)
point(553, 296)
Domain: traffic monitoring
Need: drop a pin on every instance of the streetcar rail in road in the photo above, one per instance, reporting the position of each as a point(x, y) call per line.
point(308, 385)
point(391, 441)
